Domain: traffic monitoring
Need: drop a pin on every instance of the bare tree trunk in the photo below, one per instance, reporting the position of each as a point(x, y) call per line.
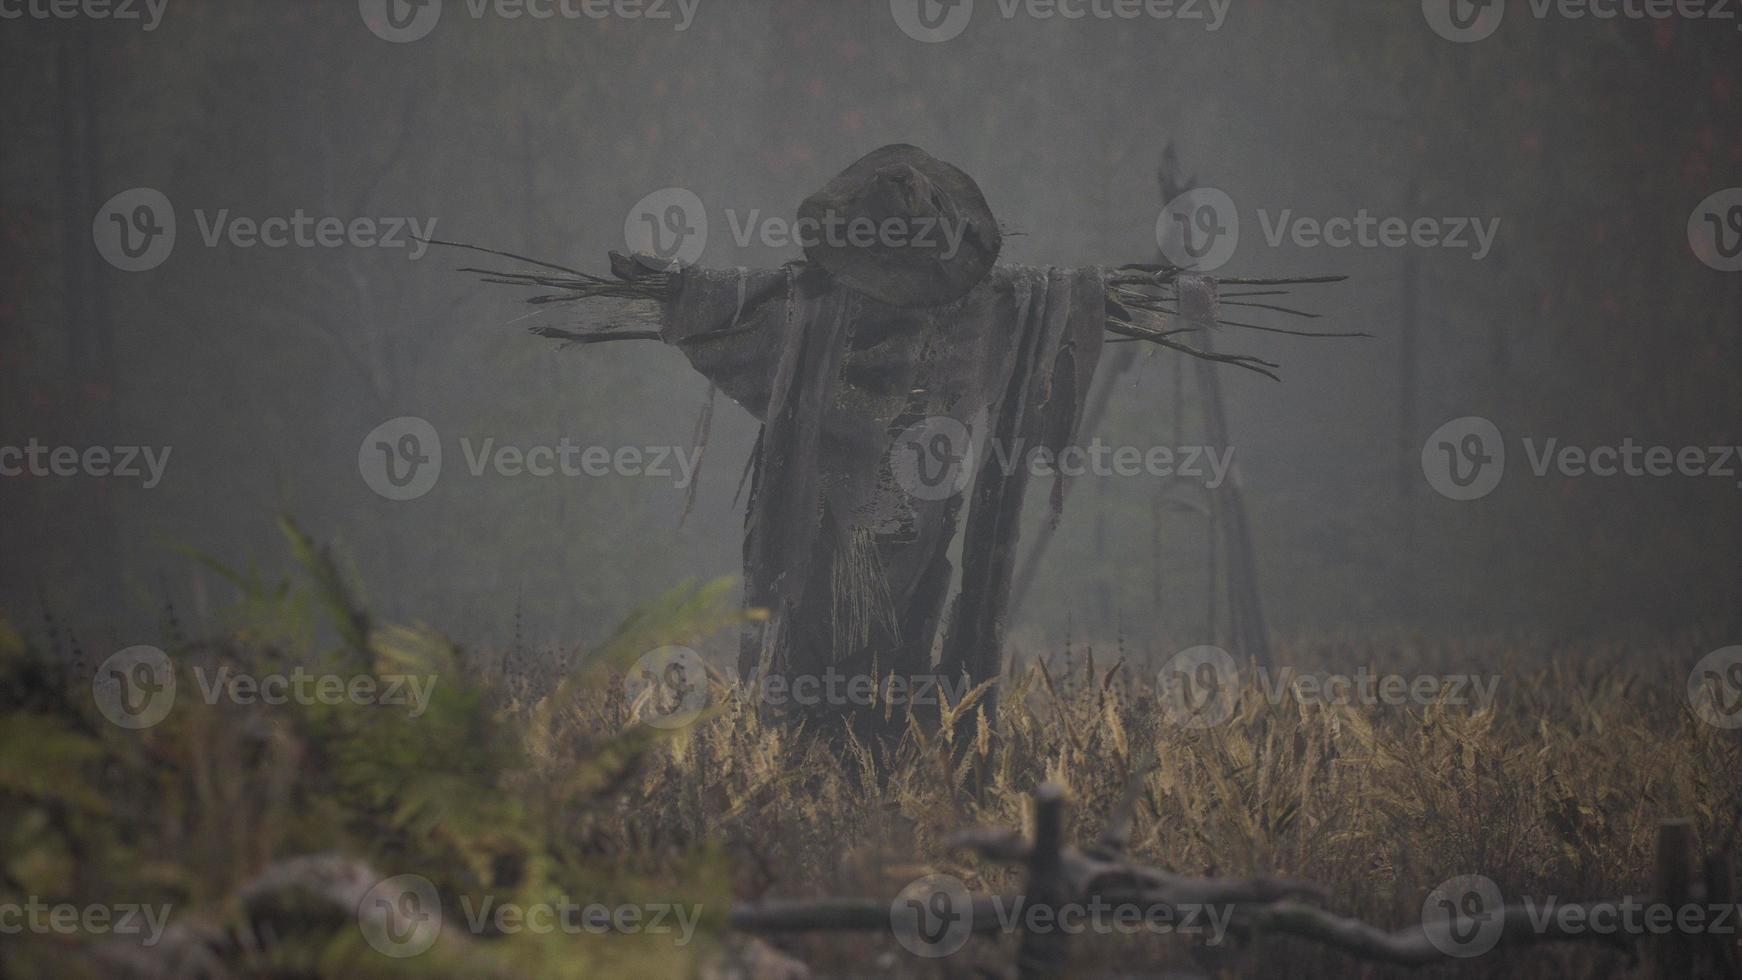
point(1106, 380)
point(90, 343)
point(1248, 632)
point(1155, 574)
point(17, 497)
point(1736, 412)
point(1408, 449)
point(1212, 574)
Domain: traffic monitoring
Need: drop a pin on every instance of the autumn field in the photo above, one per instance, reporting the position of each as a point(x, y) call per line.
point(252, 838)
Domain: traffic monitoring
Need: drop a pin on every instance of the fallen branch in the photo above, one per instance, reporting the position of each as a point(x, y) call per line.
point(1420, 945)
point(1259, 906)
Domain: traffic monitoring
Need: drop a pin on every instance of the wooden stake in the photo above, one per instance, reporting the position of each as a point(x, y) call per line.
point(1673, 952)
point(1043, 952)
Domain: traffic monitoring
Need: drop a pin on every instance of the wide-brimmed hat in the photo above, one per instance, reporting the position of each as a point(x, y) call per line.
point(902, 227)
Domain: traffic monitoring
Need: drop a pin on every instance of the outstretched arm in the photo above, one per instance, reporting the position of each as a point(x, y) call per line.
point(1164, 305)
point(721, 321)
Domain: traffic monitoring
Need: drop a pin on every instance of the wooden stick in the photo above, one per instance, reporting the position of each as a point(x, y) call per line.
point(1043, 953)
point(843, 915)
point(1672, 953)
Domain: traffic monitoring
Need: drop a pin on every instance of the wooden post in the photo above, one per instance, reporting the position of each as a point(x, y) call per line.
point(1720, 886)
point(1673, 952)
point(1043, 952)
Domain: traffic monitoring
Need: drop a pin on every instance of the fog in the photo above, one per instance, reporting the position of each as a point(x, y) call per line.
point(1558, 289)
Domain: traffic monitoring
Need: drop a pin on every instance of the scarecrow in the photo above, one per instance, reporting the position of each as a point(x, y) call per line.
point(888, 369)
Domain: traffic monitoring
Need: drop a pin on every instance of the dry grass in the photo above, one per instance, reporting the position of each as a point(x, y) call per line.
point(1555, 790)
point(529, 777)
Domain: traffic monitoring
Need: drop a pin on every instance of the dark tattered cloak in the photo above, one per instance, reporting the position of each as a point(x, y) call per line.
point(853, 569)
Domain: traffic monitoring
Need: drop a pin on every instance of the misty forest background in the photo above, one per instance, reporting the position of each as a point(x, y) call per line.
point(1591, 321)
